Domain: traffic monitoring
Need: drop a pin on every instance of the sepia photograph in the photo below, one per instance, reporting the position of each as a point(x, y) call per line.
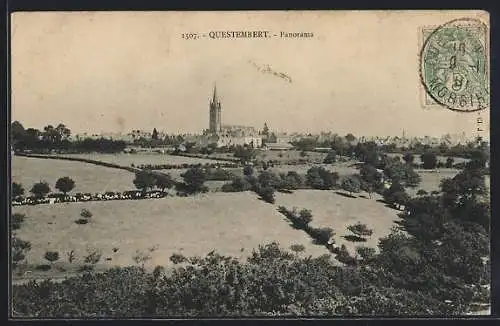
point(253, 164)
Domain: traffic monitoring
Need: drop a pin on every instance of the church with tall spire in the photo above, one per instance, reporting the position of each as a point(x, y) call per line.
point(215, 119)
point(226, 135)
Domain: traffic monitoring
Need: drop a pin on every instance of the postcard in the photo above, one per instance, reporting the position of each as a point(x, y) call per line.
point(249, 164)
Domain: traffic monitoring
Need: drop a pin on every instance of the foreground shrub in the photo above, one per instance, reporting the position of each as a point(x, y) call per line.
point(273, 282)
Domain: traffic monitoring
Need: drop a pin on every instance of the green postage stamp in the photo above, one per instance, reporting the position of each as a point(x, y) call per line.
point(454, 65)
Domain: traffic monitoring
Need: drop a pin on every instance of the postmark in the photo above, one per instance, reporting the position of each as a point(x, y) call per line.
point(454, 65)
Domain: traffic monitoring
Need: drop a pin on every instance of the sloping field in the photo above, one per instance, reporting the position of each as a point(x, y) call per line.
point(431, 180)
point(330, 209)
point(88, 177)
point(343, 169)
point(143, 158)
point(233, 224)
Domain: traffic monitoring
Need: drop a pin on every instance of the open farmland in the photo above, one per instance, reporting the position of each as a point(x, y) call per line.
point(233, 224)
point(343, 169)
point(330, 209)
point(440, 158)
point(280, 156)
point(143, 158)
point(88, 177)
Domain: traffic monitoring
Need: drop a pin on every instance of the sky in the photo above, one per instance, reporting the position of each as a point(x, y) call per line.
point(117, 71)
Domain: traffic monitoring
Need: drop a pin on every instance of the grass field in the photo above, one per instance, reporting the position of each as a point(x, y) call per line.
point(143, 158)
point(281, 156)
point(330, 209)
point(440, 158)
point(88, 177)
point(233, 224)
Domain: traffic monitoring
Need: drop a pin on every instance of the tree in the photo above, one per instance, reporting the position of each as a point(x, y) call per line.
point(421, 192)
point(429, 160)
point(351, 184)
point(292, 180)
point(144, 180)
point(368, 152)
point(305, 216)
point(331, 157)
point(319, 178)
point(265, 130)
point(65, 185)
point(366, 253)
point(194, 180)
point(248, 170)
point(269, 179)
point(154, 134)
point(396, 195)
point(62, 132)
point(19, 250)
point(350, 137)
point(412, 178)
point(17, 190)
point(449, 162)
point(164, 181)
point(17, 133)
point(267, 194)
point(40, 189)
point(408, 157)
point(371, 179)
point(395, 170)
point(244, 153)
point(360, 231)
point(51, 256)
point(16, 220)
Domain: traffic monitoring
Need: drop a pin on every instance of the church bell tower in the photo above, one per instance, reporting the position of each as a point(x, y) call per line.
point(215, 124)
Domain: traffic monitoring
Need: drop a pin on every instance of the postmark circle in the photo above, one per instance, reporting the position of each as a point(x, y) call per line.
point(454, 66)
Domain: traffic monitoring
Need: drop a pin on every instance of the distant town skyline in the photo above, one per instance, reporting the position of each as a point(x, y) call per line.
point(117, 72)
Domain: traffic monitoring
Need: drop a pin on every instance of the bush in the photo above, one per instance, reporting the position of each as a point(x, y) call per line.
point(429, 160)
point(360, 230)
point(19, 249)
point(272, 282)
point(267, 194)
point(93, 257)
point(40, 189)
point(51, 256)
point(17, 190)
point(177, 258)
point(321, 235)
point(194, 180)
point(297, 248)
point(219, 175)
point(16, 220)
point(351, 184)
point(344, 257)
point(85, 213)
point(320, 178)
point(330, 158)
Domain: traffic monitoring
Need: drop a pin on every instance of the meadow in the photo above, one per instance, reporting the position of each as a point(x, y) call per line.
point(143, 158)
point(230, 223)
point(331, 209)
point(88, 177)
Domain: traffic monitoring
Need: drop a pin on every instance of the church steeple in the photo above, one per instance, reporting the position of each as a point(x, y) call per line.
point(215, 99)
point(215, 125)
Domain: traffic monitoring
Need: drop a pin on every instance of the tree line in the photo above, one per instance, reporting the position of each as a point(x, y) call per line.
point(58, 139)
